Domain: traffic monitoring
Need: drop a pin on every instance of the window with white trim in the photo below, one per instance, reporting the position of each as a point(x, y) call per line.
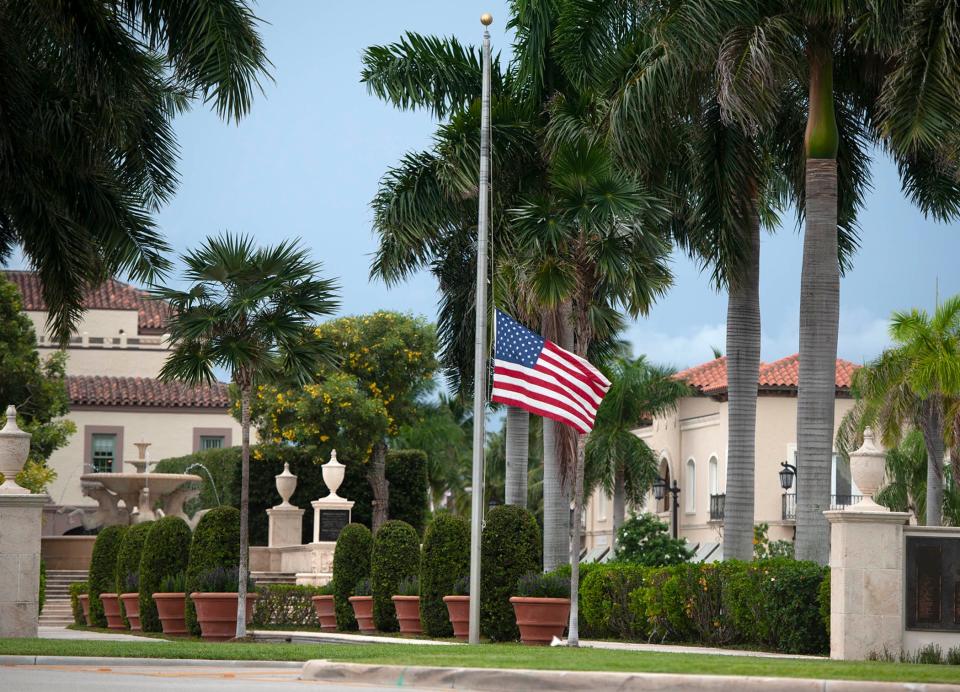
point(713, 475)
point(691, 489)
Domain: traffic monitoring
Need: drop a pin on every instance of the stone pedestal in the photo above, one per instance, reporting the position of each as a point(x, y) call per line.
point(20, 521)
point(285, 526)
point(866, 582)
point(330, 515)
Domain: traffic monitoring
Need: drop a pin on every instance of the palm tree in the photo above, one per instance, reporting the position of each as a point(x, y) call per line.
point(90, 93)
point(912, 385)
point(616, 460)
point(594, 247)
point(250, 311)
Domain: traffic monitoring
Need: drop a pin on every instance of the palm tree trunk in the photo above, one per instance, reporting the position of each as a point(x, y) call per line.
point(556, 505)
point(619, 502)
point(743, 364)
point(518, 453)
point(377, 477)
point(243, 568)
point(931, 424)
point(819, 311)
point(573, 635)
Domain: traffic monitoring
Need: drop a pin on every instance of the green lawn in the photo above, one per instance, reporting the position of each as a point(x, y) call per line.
point(494, 656)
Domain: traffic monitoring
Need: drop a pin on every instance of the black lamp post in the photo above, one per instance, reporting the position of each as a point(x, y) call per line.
point(787, 473)
point(659, 486)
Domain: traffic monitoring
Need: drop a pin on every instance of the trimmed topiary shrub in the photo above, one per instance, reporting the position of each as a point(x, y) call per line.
point(445, 558)
point(102, 575)
point(605, 601)
point(128, 559)
point(396, 549)
point(351, 564)
point(406, 473)
point(509, 548)
point(165, 553)
point(77, 589)
point(215, 543)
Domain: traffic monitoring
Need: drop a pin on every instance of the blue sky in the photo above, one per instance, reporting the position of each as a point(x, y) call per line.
point(306, 163)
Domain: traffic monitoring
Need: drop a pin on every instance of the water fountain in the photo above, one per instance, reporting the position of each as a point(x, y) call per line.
point(140, 491)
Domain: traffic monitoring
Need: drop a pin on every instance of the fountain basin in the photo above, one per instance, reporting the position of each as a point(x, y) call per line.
point(145, 491)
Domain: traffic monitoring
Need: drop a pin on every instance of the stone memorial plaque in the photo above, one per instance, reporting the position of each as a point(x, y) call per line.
point(332, 522)
point(932, 583)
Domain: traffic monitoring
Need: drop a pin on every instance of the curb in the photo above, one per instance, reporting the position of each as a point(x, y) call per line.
point(521, 680)
point(117, 662)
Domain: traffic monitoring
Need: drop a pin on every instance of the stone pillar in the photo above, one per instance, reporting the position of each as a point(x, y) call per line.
point(866, 582)
point(20, 520)
point(285, 520)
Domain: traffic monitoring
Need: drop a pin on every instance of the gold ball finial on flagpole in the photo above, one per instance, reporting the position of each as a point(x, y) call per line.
point(486, 19)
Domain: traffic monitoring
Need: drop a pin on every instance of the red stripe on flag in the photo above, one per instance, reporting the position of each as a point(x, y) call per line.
point(546, 380)
point(559, 402)
point(560, 358)
point(536, 410)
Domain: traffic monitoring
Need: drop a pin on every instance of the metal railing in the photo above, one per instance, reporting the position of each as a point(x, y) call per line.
point(789, 504)
point(716, 506)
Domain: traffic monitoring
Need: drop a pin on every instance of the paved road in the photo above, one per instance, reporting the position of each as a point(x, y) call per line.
point(160, 677)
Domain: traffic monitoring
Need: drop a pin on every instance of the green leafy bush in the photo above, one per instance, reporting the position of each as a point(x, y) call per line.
point(222, 464)
point(444, 559)
point(605, 601)
point(42, 595)
point(128, 559)
point(690, 603)
point(396, 547)
point(215, 543)
point(77, 589)
point(165, 553)
point(540, 585)
point(823, 601)
point(509, 548)
point(351, 563)
point(406, 473)
point(645, 540)
point(764, 548)
point(222, 580)
point(102, 575)
point(286, 605)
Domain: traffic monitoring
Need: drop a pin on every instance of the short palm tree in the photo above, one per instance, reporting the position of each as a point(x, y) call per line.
point(250, 311)
point(89, 152)
point(616, 460)
point(912, 385)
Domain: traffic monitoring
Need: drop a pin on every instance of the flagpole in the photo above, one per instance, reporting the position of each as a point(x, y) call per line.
point(480, 342)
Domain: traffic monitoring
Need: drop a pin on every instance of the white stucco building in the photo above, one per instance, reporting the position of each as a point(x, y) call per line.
point(115, 399)
point(691, 444)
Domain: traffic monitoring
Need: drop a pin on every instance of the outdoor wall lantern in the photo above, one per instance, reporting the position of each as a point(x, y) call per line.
point(659, 488)
point(787, 474)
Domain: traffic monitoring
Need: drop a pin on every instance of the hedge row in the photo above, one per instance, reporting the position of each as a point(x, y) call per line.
point(772, 604)
point(285, 605)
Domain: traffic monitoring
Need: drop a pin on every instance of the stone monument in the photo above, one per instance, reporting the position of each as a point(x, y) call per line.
point(331, 513)
point(866, 566)
point(285, 519)
point(20, 522)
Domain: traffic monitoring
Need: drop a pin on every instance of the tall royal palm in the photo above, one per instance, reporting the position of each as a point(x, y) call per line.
point(616, 460)
point(90, 91)
point(252, 312)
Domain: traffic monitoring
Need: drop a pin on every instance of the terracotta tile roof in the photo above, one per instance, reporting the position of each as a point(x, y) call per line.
point(711, 378)
point(111, 295)
point(98, 390)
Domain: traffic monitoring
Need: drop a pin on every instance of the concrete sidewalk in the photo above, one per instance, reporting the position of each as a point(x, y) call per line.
point(64, 633)
point(311, 637)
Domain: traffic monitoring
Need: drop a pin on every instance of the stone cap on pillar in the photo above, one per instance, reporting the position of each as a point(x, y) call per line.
point(852, 516)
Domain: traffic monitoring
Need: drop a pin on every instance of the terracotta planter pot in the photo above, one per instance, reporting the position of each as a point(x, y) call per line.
point(131, 606)
point(217, 614)
point(363, 611)
point(408, 614)
point(111, 609)
point(85, 604)
point(170, 608)
point(458, 608)
point(540, 619)
point(326, 613)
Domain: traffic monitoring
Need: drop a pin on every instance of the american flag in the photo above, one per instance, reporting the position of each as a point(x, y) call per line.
point(535, 374)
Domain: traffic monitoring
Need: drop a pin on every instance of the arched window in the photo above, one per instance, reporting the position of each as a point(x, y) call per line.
point(664, 504)
point(713, 475)
point(691, 482)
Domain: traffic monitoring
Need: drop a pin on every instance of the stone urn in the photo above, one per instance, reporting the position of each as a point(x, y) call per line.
point(217, 614)
point(171, 608)
point(131, 608)
point(540, 619)
point(14, 448)
point(111, 611)
point(333, 472)
point(326, 612)
point(363, 612)
point(458, 610)
point(408, 614)
point(286, 485)
point(867, 468)
point(85, 605)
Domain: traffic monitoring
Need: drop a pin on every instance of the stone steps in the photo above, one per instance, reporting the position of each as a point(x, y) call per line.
point(260, 578)
point(56, 609)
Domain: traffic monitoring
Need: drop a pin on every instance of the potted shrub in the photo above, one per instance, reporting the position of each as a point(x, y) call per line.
point(131, 600)
point(128, 562)
point(164, 556)
point(326, 610)
point(79, 603)
point(170, 604)
point(216, 602)
point(351, 563)
point(458, 608)
point(407, 604)
point(542, 607)
point(111, 610)
point(362, 603)
point(102, 576)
